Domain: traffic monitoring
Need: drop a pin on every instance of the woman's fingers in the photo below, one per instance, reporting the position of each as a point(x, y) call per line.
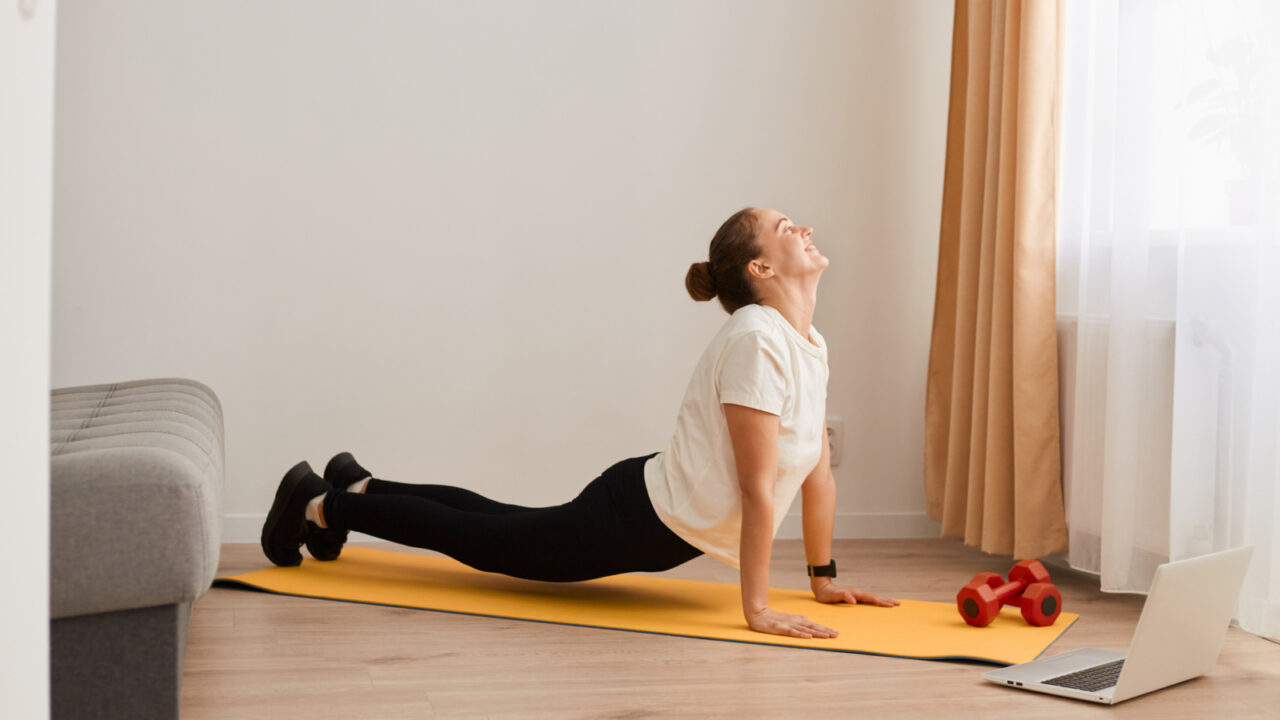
point(823, 632)
point(867, 597)
point(802, 627)
point(792, 625)
point(852, 596)
point(816, 630)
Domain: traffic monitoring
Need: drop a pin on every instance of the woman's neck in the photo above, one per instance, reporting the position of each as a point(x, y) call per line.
point(796, 305)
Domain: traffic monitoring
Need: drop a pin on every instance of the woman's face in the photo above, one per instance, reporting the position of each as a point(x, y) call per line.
point(786, 248)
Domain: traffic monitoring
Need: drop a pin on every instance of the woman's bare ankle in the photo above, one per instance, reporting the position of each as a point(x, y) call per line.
point(315, 510)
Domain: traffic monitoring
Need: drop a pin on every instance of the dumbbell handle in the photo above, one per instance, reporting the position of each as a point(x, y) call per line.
point(1008, 591)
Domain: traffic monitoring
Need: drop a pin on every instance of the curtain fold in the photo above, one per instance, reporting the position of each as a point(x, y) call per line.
point(992, 458)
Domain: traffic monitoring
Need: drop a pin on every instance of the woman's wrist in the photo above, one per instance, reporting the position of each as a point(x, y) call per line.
point(817, 583)
point(821, 576)
point(755, 597)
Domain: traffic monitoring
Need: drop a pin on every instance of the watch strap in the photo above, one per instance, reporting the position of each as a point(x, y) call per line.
point(828, 570)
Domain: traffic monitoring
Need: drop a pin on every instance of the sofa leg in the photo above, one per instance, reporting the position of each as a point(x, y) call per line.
point(123, 664)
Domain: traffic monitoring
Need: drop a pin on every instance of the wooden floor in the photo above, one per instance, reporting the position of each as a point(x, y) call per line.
point(255, 655)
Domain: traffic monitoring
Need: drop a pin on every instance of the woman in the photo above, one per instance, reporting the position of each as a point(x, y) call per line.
point(751, 433)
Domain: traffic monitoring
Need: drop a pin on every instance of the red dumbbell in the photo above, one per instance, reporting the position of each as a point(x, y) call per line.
point(1028, 587)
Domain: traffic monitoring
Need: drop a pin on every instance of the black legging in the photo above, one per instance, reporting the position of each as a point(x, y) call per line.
point(609, 528)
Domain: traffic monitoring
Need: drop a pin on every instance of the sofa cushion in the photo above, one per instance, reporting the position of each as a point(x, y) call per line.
point(136, 475)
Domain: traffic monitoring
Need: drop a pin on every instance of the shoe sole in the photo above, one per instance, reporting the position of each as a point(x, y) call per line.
point(274, 516)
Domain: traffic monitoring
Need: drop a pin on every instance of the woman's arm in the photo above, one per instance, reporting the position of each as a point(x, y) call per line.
point(818, 508)
point(754, 434)
point(818, 512)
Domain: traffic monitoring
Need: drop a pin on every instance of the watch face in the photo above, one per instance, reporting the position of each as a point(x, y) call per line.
point(823, 571)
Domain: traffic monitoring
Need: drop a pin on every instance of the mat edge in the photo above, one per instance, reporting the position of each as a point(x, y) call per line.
point(235, 583)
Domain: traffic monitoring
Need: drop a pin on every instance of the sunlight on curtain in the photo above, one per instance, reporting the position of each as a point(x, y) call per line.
point(1169, 289)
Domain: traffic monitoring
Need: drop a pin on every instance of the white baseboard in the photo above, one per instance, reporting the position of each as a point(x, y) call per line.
point(850, 526)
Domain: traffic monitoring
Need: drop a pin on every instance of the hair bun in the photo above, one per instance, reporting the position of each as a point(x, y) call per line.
point(699, 283)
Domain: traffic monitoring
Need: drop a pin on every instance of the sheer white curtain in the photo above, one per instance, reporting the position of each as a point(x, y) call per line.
point(1169, 289)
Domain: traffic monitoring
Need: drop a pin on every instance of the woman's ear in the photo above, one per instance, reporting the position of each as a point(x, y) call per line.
point(759, 270)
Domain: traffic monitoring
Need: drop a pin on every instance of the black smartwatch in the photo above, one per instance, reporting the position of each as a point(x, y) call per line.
point(828, 570)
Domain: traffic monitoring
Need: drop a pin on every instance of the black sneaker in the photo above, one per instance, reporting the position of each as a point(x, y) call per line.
point(286, 527)
point(341, 472)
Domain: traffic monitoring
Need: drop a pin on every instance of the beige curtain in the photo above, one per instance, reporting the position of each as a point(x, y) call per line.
point(992, 465)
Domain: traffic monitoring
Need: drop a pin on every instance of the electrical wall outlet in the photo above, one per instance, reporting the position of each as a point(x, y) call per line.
point(835, 439)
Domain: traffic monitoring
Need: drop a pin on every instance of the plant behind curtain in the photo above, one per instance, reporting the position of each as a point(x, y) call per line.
point(1169, 289)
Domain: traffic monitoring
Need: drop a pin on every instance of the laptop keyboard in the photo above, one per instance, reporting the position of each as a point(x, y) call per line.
point(1092, 679)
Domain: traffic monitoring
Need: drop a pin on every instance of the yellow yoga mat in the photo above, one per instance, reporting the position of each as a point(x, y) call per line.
point(689, 608)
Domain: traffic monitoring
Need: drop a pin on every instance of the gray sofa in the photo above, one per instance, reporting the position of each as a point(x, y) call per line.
point(136, 475)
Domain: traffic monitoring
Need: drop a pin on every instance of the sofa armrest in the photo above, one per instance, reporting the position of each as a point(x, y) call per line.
point(135, 498)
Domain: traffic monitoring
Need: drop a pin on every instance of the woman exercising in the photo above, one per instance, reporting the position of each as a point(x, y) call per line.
point(751, 433)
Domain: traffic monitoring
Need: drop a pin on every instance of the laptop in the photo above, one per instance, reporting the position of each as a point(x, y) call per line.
point(1179, 636)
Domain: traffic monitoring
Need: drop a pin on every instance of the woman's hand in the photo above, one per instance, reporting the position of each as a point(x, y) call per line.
point(776, 623)
point(832, 593)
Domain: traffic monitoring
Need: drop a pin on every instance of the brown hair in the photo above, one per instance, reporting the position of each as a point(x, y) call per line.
point(734, 245)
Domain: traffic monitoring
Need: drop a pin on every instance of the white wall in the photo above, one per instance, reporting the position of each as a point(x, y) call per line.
point(26, 218)
point(452, 237)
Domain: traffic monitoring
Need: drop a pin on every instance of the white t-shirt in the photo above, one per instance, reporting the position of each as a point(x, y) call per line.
point(759, 360)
